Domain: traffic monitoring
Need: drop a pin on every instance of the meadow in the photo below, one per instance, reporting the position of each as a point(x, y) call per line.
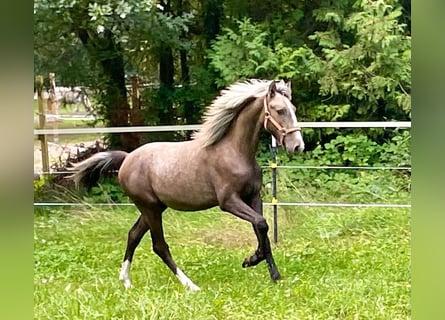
point(336, 263)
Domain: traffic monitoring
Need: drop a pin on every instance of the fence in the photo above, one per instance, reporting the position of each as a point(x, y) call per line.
point(273, 164)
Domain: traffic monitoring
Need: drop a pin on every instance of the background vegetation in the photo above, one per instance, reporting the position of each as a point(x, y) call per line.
point(347, 60)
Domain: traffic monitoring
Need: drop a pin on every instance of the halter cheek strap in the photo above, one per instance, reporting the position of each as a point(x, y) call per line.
point(281, 130)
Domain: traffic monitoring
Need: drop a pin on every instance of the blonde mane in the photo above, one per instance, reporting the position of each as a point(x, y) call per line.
point(220, 114)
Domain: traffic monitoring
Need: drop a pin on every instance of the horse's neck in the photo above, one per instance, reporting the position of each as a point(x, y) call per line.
point(244, 132)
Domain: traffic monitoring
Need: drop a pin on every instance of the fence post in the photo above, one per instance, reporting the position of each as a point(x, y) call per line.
point(135, 92)
point(135, 113)
point(52, 104)
point(273, 165)
point(42, 120)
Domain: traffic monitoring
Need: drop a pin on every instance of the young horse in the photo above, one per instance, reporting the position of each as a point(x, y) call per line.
point(77, 96)
point(216, 167)
point(71, 95)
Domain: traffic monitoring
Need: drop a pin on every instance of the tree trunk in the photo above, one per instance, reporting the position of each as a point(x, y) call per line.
point(114, 98)
point(213, 11)
point(166, 81)
point(191, 110)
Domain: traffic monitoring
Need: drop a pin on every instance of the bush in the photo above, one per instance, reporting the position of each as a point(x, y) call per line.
point(346, 185)
point(108, 191)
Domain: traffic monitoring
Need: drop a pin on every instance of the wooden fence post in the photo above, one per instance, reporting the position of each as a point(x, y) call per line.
point(136, 118)
point(52, 104)
point(42, 120)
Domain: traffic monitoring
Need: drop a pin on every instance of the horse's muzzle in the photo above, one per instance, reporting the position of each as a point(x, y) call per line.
point(294, 143)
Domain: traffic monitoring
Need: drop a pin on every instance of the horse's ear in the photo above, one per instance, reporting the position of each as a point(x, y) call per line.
point(272, 89)
point(289, 86)
point(289, 89)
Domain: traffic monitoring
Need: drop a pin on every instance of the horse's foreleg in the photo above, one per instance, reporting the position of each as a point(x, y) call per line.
point(266, 251)
point(253, 214)
point(134, 238)
point(260, 254)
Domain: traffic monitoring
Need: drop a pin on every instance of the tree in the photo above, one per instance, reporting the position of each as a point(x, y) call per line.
point(348, 60)
point(354, 65)
point(71, 20)
point(364, 58)
point(111, 32)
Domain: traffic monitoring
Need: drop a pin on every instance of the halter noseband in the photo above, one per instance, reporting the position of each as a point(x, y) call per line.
point(283, 131)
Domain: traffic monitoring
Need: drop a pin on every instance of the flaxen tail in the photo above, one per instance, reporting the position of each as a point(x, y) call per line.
point(88, 172)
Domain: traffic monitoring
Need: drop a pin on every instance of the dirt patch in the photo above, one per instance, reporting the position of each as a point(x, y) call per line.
point(231, 238)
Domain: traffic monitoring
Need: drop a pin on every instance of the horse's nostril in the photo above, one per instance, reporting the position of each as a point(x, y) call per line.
point(299, 148)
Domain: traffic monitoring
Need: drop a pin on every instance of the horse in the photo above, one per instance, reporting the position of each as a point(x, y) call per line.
point(216, 167)
point(71, 95)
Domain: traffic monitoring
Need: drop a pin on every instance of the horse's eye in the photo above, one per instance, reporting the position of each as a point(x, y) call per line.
point(281, 112)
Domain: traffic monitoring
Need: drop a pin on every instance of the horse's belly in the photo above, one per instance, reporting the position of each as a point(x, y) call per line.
point(175, 173)
point(188, 200)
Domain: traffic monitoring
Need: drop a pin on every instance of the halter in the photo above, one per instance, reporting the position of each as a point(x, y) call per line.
point(283, 131)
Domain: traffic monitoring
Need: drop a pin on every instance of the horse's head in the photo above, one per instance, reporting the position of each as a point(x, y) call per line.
point(280, 119)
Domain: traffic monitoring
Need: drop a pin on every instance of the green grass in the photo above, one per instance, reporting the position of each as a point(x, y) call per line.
point(336, 263)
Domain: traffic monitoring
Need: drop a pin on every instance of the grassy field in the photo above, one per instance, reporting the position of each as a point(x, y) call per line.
point(336, 264)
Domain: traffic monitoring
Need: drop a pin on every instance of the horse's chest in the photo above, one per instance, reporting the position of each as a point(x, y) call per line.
point(246, 180)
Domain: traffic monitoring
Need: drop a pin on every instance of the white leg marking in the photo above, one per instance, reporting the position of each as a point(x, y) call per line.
point(124, 275)
point(186, 282)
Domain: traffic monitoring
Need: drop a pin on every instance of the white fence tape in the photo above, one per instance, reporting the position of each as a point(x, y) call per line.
point(294, 204)
point(352, 124)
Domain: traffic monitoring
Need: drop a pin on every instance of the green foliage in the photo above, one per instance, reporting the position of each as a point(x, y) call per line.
point(397, 152)
point(366, 58)
point(244, 53)
point(350, 150)
point(237, 54)
point(354, 65)
point(346, 185)
point(39, 188)
point(57, 189)
point(359, 150)
point(348, 60)
point(137, 28)
point(106, 192)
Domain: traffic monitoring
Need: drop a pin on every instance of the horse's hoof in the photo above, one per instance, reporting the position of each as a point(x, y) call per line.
point(251, 261)
point(126, 283)
point(275, 276)
point(193, 287)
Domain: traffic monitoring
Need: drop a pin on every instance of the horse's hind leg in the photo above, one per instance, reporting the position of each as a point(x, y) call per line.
point(160, 247)
point(152, 215)
point(134, 238)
